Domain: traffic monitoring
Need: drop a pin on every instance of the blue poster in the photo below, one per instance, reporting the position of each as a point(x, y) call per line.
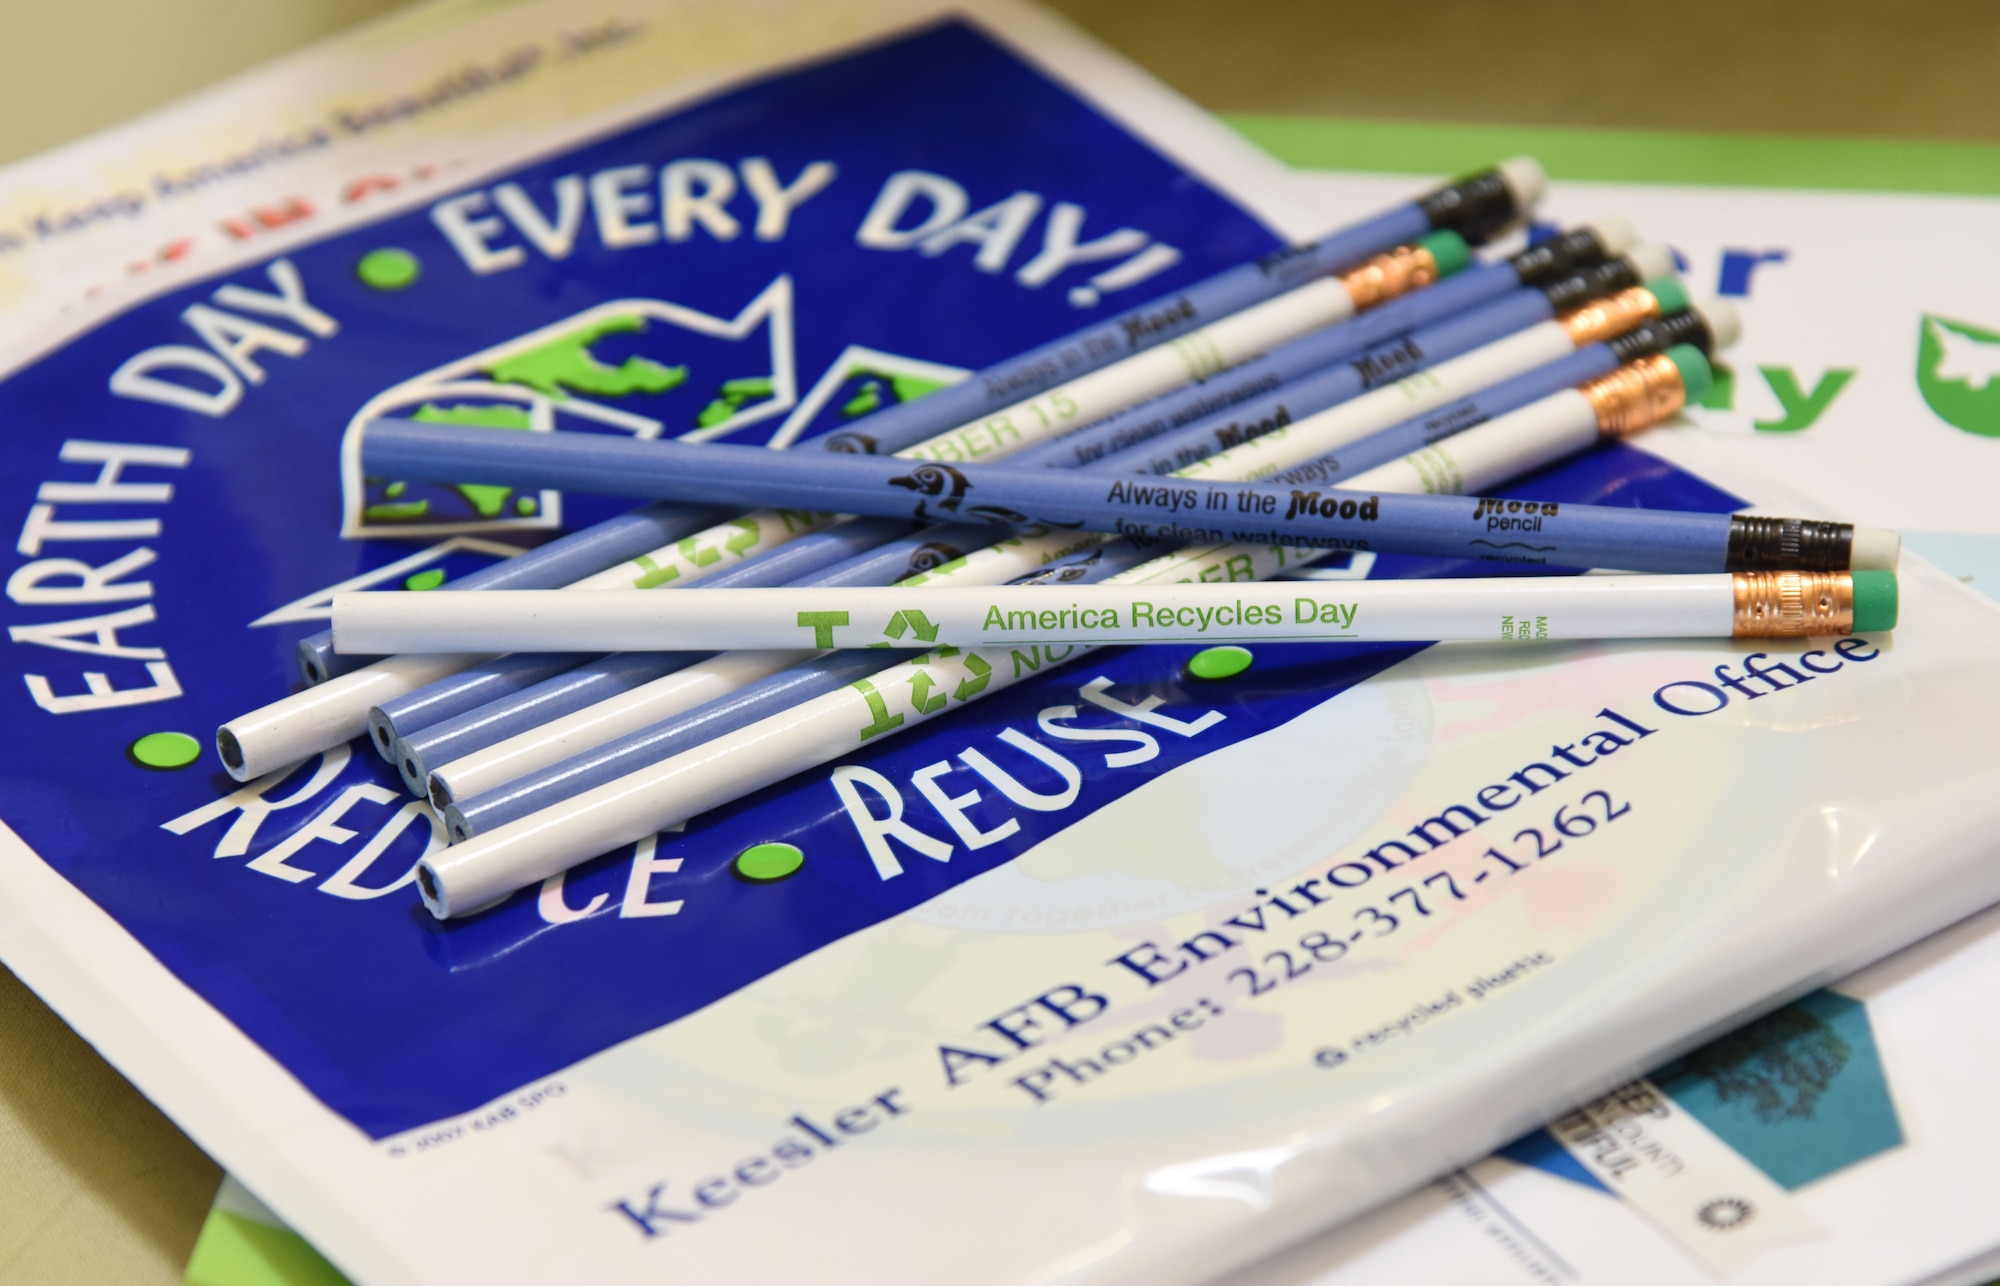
point(767, 266)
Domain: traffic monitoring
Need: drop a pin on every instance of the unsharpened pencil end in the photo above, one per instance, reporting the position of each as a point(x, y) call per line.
point(1874, 549)
point(1525, 178)
point(1875, 602)
point(1614, 233)
point(1650, 260)
point(1725, 324)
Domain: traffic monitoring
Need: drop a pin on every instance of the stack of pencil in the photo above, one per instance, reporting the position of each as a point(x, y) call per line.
point(1130, 483)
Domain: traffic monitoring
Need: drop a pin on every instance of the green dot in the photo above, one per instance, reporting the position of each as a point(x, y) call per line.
point(1219, 662)
point(525, 506)
point(768, 863)
point(395, 490)
point(425, 580)
point(164, 751)
point(387, 268)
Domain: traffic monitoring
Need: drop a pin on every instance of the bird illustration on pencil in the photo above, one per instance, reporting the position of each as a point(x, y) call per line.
point(939, 480)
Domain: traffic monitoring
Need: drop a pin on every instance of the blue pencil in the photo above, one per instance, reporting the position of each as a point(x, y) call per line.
point(1186, 510)
point(1475, 207)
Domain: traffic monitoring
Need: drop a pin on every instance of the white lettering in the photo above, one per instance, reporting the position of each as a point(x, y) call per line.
point(1010, 786)
point(694, 192)
point(42, 526)
point(346, 882)
point(876, 832)
point(135, 379)
point(239, 340)
point(996, 230)
point(556, 911)
point(325, 825)
point(1148, 745)
point(68, 636)
point(775, 203)
point(100, 695)
point(470, 235)
point(1060, 248)
point(289, 302)
point(878, 228)
point(639, 884)
point(108, 489)
point(614, 204)
point(555, 239)
point(249, 802)
point(28, 586)
point(1095, 693)
point(952, 807)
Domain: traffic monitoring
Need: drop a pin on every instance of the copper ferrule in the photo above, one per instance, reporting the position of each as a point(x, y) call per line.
point(1611, 315)
point(1387, 275)
point(1792, 605)
point(1637, 395)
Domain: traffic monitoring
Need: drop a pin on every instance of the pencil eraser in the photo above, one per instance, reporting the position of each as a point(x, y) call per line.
point(1650, 260)
point(1668, 290)
point(1448, 251)
point(1874, 549)
point(1613, 233)
point(1725, 325)
point(1525, 178)
point(1696, 374)
point(1875, 602)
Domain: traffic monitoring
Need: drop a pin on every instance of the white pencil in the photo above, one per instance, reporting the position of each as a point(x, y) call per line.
point(1508, 609)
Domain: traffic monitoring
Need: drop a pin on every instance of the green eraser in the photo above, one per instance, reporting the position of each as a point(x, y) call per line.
point(1874, 602)
point(1697, 376)
point(1672, 295)
point(1448, 251)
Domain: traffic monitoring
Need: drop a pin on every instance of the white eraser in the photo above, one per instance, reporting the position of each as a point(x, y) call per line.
point(1725, 325)
point(1613, 233)
point(1525, 178)
point(1651, 260)
point(1875, 549)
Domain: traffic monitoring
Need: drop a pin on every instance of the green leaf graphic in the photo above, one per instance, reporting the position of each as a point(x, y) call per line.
point(1958, 372)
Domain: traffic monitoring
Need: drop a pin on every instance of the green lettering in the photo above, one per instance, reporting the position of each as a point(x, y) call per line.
point(748, 533)
point(980, 675)
point(1801, 409)
point(692, 550)
point(821, 624)
point(881, 720)
point(921, 684)
point(652, 573)
point(1304, 611)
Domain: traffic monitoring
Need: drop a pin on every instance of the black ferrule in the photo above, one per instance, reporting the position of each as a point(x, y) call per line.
point(1474, 208)
point(1788, 545)
point(1577, 248)
point(1594, 282)
point(1658, 334)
